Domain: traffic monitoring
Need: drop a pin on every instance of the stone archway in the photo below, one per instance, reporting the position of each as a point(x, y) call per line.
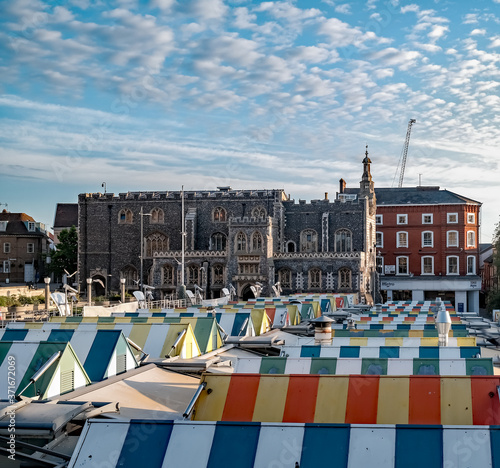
point(246, 293)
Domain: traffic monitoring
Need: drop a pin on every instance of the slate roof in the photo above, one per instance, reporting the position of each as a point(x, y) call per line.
point(66, 215)
point(422, 195)
point(18, 224)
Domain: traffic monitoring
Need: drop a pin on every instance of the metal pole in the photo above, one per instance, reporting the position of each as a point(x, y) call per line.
point(89, 291)
point(122, 284)
point(142, 251)
point(183, 238)
point(47, 293)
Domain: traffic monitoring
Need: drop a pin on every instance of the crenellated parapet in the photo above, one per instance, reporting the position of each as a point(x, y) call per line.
point(318, 255)
point(272, 194)
point(191, 254)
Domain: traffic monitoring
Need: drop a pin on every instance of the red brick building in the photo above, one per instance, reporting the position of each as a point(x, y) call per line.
point(428, 245)
point(23, 245)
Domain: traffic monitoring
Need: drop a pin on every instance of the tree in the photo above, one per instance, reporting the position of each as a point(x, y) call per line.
point(65, 257)
point(493, 299)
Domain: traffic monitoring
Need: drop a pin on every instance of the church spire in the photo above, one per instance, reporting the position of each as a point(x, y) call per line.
point(366, 185)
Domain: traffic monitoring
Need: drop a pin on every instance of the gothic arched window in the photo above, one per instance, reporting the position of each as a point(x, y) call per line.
point(157, 216)
point(241, 242)
point(156, 242)
point(308, 241)
point(219, 215)
point(344, 278)
point(256, 241)
point(125, 216)
point(259, 212)
point(343, 240)
point(314, 278)
point(218, 241)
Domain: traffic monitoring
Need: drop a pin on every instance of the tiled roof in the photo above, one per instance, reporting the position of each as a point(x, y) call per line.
point(17, 224)
point(66, 215)
point(422, 195)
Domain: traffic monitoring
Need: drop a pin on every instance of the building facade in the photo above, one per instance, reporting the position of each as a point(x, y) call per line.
point(24, 245)
point(428, 245)
point(232, 237)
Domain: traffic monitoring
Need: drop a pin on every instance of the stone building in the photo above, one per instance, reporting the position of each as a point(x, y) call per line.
point(238, 237)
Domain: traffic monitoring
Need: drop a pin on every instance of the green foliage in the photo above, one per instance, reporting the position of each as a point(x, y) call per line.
point(496, 247)
point(65, 257)
point(493, 300)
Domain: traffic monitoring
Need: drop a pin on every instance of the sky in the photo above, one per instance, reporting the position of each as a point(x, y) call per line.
point(152, 95)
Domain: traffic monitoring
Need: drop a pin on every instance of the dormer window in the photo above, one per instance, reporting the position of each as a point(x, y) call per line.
point(31, 226)
point(3, 225)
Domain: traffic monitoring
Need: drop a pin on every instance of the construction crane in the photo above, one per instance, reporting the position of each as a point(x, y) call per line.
point(404, 155)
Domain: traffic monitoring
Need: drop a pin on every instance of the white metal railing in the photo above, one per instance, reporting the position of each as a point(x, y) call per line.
point(166, 304)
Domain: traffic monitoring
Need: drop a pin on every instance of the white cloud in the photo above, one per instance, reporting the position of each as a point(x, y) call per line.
point(470, 18)
point(495, 41)
point(208, 10)
point(404, 59)
point(345, 9)
point(285, 10)
point(478, 32)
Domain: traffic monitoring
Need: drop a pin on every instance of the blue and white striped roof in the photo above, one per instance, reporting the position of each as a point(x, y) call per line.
point(187, 444)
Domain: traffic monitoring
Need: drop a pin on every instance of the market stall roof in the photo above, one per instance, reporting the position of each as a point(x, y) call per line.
point(257, 445)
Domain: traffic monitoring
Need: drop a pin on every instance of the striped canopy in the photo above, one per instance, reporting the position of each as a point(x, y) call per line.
point(405, 352)
point(169, 444)
point(364, 366)
point(104, 353)
point(23, 359)
point(359, 399)
point(155, 339)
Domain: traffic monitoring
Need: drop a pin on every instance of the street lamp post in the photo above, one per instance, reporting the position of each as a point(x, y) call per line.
point(182, 287)
point(89, 291)
point(122, 284)
point(142, 248)
point(46, 280)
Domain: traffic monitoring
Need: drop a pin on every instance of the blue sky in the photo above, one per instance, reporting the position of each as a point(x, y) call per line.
point(152, 95)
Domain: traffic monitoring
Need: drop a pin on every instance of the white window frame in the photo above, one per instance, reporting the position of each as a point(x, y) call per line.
point(404, 216)
point(6, 247)
point(427, 214)
point(448, 244)
point(379, 219)
point(449, 215)
point(473, 257)
point(471, 218)
point(31, 226)
point(473, 244)
point(407, 265)
point(432, 239)
point(28, 249)
point(381, 245)
point(6, 266)
point(3, 225)
point(380, 263)
point(432, 266)
point(398, 244)
point(448, 265)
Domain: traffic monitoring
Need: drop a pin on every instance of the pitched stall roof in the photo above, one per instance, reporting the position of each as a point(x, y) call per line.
point(257, 445)
point(355, 399)
point(104, 353)
point(65, 374)
point(248, 322)
point(155, 339)
point(205, 328)
point(363, 366)
point(404, 352)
